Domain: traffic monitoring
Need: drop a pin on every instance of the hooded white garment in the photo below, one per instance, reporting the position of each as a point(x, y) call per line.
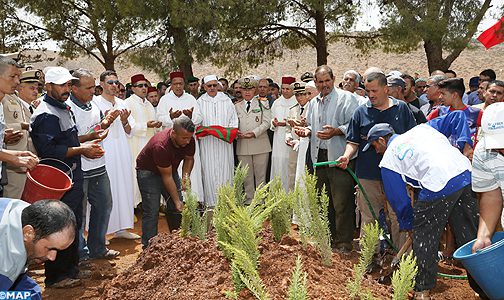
point(280, 152)
point(425, 155)
point(13, 254)
point(186, 101)
point(217, 160)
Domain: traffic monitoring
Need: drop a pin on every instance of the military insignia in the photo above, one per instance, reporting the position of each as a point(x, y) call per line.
point(15, 115)
point(256, 110)
point(246, 80)
point(257, 118)
point(38, 74)
point(297, 85)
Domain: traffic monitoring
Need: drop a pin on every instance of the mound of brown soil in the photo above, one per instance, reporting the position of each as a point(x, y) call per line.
point(187, 268)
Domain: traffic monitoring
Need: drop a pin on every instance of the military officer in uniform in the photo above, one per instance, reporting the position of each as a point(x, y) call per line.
point(296, 117)
point(17, 111)
point(253, 145)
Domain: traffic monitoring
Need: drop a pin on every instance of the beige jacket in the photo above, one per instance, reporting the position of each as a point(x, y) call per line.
point(257, 120)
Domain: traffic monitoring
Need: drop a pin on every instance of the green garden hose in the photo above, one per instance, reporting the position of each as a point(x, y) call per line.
point(351, 172)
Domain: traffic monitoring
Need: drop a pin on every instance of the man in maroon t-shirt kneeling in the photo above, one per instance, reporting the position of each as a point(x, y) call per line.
point(157, 174)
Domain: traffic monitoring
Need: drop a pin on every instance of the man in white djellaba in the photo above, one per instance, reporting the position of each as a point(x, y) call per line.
point(145, 127)
point(171, 106)
point(118, 159)
point(216, 150)
point(279, 114)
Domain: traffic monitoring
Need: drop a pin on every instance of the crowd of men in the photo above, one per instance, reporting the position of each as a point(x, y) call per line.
point(139, 145)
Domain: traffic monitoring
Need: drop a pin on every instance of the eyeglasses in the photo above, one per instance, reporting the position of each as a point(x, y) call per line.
point(211, 85)
point(116, 82)
point(141, 85)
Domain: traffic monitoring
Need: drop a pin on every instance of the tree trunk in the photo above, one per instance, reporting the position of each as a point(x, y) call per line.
point(434, 53)
point(321, 40)
point(181, 52)
point(109, 61)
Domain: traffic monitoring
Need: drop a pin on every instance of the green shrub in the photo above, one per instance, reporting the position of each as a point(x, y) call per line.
point(244, 267)
point(193, 223)
point(298, 289)
point(403, 279)
point(281, 215)
point(311, 209)
point(368, 244)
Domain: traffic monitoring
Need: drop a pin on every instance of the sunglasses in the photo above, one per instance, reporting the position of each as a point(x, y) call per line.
point(116, 82)
point(211, 85)
point(141, 85)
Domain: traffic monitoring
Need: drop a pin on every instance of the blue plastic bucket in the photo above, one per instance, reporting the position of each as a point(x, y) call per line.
point(486, 266)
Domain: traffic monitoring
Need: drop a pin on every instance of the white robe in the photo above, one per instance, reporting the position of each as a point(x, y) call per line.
point(118, 165)
point(217, 159)
point(280, 152)
point(186, 101)
point(142, 111)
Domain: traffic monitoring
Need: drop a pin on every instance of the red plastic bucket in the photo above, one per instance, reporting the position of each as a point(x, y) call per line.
point(46, 182)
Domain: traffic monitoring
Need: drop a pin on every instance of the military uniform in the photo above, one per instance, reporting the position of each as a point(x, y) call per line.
point(254, 152)
point(17, 111)
point(297, 113)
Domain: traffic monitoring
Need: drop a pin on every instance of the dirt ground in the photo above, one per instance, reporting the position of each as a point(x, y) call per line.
point(193, 269)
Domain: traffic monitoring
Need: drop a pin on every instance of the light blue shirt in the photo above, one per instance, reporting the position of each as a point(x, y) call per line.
point(336, 110)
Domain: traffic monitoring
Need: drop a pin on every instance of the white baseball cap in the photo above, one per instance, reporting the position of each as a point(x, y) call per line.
point(57, 75)
point(492, 125)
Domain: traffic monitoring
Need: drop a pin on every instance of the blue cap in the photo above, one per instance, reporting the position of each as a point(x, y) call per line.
point(474, 81)
point(377, 131)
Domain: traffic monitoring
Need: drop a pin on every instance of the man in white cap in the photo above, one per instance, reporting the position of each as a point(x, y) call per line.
point(54, 134)
point(217, 160)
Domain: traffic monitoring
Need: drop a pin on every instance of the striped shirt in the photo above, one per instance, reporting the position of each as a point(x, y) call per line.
point(488, 169)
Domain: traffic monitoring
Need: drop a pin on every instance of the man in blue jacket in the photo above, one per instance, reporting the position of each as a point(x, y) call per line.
point(424, 158)
point(55, 136)
point(31, 234)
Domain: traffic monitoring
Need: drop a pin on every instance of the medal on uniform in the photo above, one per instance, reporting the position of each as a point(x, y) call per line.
point(15, 115)
point(257, 118)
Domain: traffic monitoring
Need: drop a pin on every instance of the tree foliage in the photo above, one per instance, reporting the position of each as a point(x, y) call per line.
point(444, 28)
point(253, 32)
point(186, 33)
point(104, 30)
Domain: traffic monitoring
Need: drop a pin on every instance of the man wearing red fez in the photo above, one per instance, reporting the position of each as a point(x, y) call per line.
point(145, 126)
point(153, 96)
point(279, 112)
point(174, 104)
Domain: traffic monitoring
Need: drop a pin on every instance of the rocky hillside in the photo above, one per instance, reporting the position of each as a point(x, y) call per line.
point(342, 57)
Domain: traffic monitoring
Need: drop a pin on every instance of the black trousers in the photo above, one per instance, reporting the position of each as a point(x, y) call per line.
point(66, 264)
point(460, 209)
point(339, 186)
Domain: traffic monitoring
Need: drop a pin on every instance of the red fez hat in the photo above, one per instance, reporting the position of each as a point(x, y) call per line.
point(288, 80)
point(138, 77)
point(151, 89)
point(176, 74)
